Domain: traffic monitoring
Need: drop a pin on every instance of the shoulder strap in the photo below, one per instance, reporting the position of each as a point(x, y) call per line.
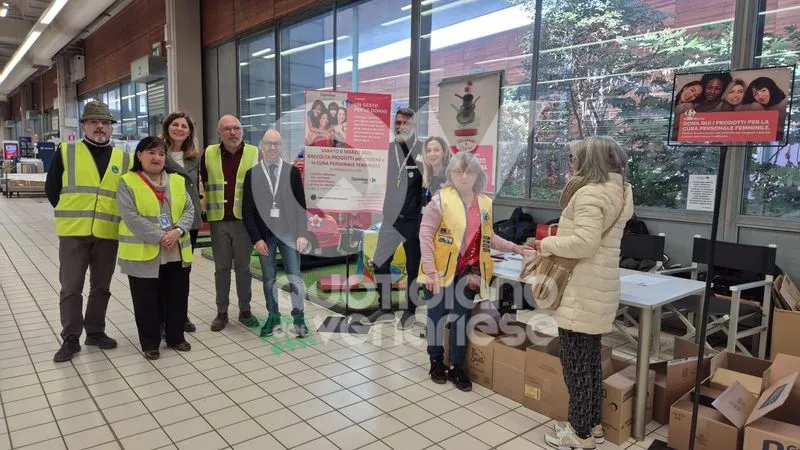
point(608, 230)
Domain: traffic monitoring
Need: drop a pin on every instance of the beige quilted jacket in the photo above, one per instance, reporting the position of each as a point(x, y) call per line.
point(591, 297)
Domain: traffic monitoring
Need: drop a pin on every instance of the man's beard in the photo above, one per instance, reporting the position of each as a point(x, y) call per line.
point(402, 137)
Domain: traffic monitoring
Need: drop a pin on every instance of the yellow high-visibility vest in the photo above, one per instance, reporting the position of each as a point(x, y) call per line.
point(87, 205)
point(131, 248)
point(215, 184)
point(448, 237)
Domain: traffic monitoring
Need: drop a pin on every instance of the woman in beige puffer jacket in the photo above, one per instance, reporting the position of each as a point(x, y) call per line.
point(596, 201)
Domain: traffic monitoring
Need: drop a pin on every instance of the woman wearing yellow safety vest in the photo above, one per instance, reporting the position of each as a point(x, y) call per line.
point(154, 247)
point(456, 238)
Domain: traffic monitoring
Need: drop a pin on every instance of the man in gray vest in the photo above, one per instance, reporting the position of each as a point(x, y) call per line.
point(274, 211)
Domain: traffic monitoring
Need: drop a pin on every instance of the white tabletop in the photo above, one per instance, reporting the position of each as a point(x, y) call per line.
point(638, 289)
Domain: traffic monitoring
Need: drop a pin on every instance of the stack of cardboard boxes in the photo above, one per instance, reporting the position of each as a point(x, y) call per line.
point(503, 358)
point(745, 404)
point(785, 317)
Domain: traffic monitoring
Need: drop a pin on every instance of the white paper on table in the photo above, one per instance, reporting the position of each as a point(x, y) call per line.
point(642, 280)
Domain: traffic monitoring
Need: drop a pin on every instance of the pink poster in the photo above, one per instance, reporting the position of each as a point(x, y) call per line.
point(347, 137)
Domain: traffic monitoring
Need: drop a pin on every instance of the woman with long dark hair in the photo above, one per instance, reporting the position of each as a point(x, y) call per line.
point(763, 94)
point(313, 118)
point(154, 249)
point(183, 157)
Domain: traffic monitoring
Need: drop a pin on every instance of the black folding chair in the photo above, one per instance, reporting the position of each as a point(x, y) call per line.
point(732, 316)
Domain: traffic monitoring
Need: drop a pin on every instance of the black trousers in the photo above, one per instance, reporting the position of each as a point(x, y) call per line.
point(406, 232)
point(163, 311)
point(583, 375)
point(168, 293)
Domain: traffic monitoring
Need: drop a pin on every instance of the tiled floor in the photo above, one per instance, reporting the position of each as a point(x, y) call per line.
point(233, 390)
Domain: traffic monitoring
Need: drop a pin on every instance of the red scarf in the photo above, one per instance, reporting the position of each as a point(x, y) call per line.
point(160, 195)
point(471, 254)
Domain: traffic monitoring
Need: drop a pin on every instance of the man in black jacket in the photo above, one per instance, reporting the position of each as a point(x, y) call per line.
point(402, 211)
point(274, 211)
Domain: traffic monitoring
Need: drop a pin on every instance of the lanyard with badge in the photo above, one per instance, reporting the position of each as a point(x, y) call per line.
point(401, 169)
point(274, 212)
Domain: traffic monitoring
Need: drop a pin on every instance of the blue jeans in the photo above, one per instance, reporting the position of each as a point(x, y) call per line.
point(291, 266)
point(453, 304)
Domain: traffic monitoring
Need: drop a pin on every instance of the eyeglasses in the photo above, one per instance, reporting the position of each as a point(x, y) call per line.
point(232, 129)
point(95, 122)
point(270, 144)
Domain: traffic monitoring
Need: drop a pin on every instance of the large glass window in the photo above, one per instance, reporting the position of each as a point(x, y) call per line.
point(128, 110)
point(606, 68)
point(772, 183)
point(464, 37)
point(257, 85)
point(376, 55)
point(306, 63)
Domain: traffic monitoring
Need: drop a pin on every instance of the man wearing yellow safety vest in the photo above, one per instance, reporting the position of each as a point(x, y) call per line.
point(223, 168)
point(82, 186)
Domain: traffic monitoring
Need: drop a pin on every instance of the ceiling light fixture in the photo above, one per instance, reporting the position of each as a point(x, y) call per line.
point(4, 9)
point(53, 11)
point(29, 41)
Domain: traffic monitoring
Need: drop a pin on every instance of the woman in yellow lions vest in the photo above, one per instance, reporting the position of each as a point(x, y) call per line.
point(456, 239)
point(154, 247)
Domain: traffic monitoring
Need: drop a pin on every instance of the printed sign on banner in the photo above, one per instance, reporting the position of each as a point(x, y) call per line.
point(346, 138)
point(468, 116)
point(741, 106)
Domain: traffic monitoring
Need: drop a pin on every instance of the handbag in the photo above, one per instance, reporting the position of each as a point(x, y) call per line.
point(548, 275)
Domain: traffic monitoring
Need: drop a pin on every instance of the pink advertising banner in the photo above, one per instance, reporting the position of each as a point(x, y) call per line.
point(732, 107)
point(346, 138)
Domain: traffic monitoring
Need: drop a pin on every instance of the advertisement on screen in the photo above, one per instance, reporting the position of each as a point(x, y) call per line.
point(731, 107)
point(468, 116)
point(346, 150)
point(10, 150)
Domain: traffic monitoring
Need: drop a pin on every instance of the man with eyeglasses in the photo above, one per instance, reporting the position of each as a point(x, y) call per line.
point(402, 211)
point(275, 217)
point(222, 168)
point(82, 187)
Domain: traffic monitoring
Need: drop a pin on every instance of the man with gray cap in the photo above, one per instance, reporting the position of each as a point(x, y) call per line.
point(82, 186)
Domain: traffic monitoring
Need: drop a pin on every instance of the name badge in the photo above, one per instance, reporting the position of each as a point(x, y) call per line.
point(274, 213)
point(163, 222)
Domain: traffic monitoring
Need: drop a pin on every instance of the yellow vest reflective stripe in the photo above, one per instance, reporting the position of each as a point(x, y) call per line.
point(215, 185)
point(131, 248)
point(448, 237)
point(87, 205)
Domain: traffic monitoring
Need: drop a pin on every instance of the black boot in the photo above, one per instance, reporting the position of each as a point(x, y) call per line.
point(438, 372)
point(459, 377)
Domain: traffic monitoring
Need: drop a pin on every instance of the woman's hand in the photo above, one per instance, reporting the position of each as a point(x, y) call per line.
point(523, 249)
point(537, 245)
point(261, 248)
point(433, 283)
point(170, 238)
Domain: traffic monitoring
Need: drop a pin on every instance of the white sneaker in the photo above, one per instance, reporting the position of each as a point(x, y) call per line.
point(564, 438)
point(598, 433)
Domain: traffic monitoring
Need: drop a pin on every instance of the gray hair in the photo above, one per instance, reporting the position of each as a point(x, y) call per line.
point(466, 160)
point(596, 157)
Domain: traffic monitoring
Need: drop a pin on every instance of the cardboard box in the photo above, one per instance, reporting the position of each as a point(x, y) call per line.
point(714, 431)
point(480, 359)
point(724, 378)
point(784, 332)
point(619, 400)
point(544, 389)
point(675, 378)
point(509, 367)
point(722, 415)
